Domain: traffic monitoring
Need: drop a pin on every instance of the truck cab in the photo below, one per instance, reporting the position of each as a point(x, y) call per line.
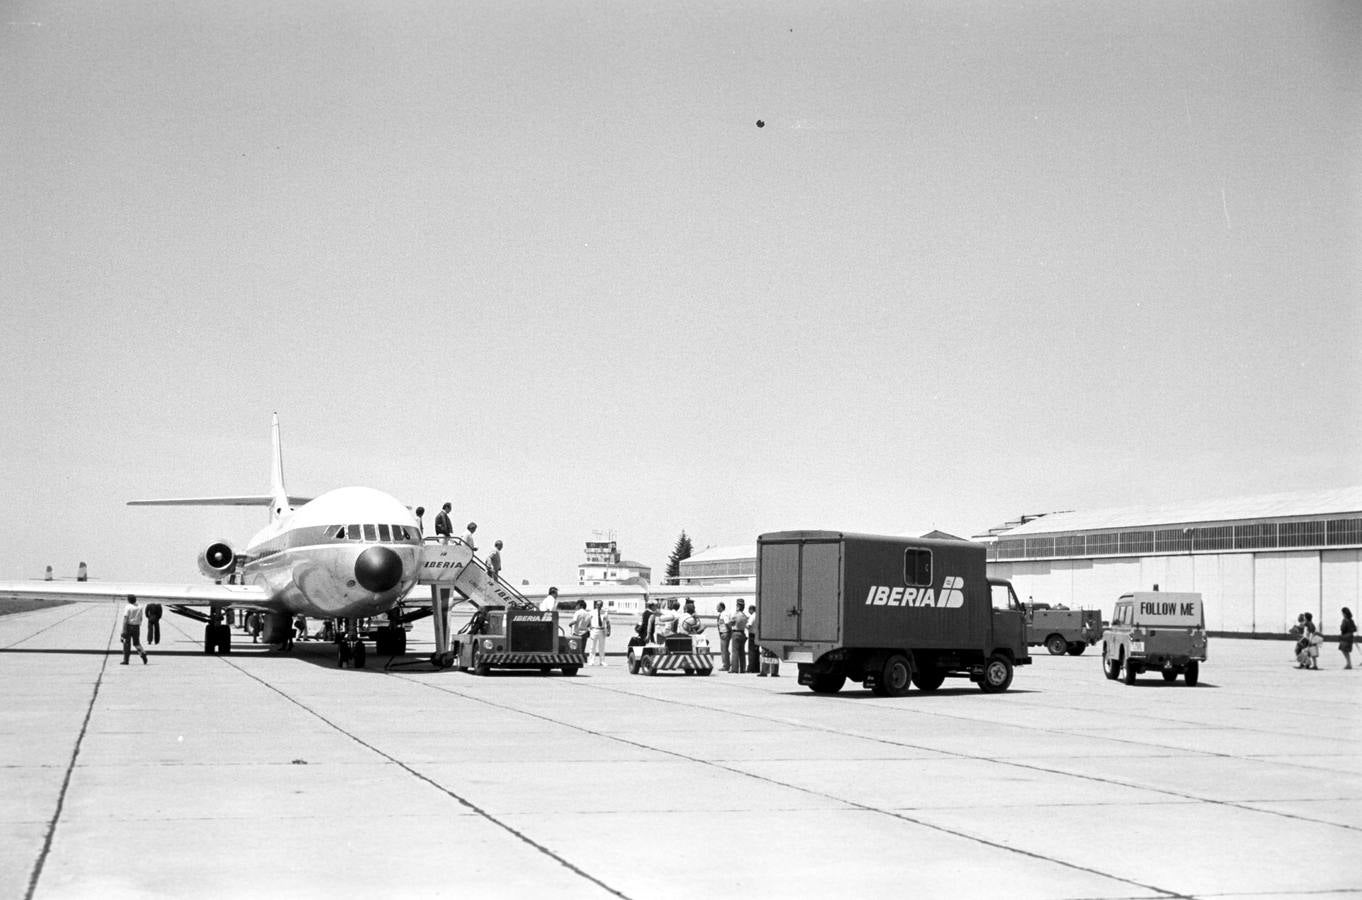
point(1162, 631)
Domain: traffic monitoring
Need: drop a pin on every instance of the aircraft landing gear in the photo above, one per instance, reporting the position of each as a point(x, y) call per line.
point(217, 636)
point(350, 648)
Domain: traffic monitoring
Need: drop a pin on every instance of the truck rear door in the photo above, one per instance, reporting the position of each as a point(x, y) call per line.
point(797, 590)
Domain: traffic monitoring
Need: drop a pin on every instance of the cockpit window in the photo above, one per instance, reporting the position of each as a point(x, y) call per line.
point(400, 533)
point(352, 532)
point(340, 533)
point(384, 534)
point(370, 533)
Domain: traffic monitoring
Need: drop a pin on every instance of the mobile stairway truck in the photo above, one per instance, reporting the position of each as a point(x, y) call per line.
point(508, 631)
point(886, 612)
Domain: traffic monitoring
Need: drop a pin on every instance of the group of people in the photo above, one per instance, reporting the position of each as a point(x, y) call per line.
point(738, 638)
point(133, 615)
point(737, 630)
point(1309, 639)
point(591, 627)
point(444, 531)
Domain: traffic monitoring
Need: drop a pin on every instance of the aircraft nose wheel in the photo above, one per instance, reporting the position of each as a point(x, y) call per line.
point(350, 650)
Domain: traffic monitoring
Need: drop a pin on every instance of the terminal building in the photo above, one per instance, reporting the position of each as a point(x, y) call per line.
point(1258, 562)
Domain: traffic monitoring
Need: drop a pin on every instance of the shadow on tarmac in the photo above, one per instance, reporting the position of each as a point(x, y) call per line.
point(1169, 685)
point(912, 694)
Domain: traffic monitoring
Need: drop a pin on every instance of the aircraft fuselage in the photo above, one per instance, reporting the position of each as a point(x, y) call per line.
point(352, 552)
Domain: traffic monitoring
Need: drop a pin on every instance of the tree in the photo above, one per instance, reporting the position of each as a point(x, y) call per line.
point(681, 551)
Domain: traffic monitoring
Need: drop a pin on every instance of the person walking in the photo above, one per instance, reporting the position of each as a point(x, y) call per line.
point(725, 626)
point(444, 528)
point(737, 646)
point(1346, 629)
point(1312, 632)
point(468, 536)
point(494, 562)
point(153, 614)
point(600, 630)
point(420, 522)
point(132, 630)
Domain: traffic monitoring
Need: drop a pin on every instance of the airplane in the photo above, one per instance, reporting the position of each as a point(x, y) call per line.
point(351, 553)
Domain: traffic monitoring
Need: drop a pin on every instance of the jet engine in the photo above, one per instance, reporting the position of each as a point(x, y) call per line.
point(217, 560)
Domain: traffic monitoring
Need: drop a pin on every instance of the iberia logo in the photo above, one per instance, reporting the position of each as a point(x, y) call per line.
point(951, 595)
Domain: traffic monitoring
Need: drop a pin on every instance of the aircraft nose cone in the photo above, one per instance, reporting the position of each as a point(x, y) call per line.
point(378, 569)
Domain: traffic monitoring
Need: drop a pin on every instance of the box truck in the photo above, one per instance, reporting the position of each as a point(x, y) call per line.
point(886, 612)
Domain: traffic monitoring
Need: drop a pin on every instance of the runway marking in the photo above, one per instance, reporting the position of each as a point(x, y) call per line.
point(471, 806)
point(810, 791)
point(37, 872)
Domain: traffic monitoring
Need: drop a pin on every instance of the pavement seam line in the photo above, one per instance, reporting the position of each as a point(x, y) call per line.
point(1180, 795)
point(38, 865)
point(44, 628)
point(810, 791)
point(473, 807)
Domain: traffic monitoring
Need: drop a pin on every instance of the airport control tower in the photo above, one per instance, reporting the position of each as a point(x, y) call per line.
point(603, 564)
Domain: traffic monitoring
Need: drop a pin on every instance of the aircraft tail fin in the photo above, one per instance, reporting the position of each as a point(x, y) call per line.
point(280, 499)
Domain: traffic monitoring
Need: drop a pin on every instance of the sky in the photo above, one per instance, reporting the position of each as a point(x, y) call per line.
point(539, 260)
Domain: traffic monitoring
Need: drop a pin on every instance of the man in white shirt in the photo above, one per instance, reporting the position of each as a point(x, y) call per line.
point(132, 630)
point(550, 601)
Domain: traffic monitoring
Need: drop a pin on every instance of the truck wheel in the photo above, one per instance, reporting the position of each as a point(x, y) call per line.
point(633, 662)
point(1169, 675)
point(1130, 671)
point(569, 670)
point(895, 678)
point(1056, 645)
point(997, 674)
point(1076, 648)
point(1110, 667)
point(827, 683)
point(928, 680)
point(1192, 673)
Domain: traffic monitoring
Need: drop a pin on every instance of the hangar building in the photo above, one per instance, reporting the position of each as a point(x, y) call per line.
point(1258, 562)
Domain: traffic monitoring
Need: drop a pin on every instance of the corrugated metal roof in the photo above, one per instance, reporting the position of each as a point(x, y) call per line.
point(714, 554)
point(1331, 502)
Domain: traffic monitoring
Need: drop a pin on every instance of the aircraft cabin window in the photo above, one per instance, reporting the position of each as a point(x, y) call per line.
point(384, 533)
point(352, 532)
point(370, 533)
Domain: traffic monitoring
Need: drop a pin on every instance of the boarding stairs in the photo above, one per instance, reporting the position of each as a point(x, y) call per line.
point(452, 566)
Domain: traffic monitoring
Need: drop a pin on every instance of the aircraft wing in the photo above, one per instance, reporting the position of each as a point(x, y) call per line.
point(103, 591)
